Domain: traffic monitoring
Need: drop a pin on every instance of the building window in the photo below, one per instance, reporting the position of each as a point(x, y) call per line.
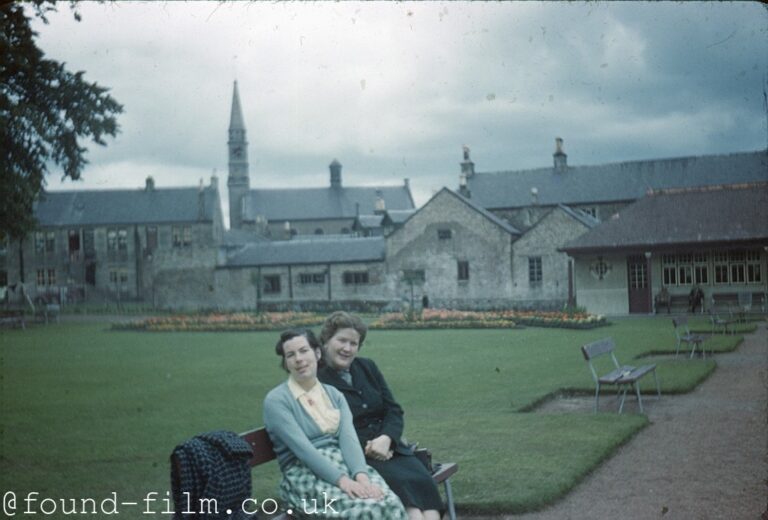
point(122, 239)
point(444, 234)
point(50, 241)
point(51, 276)
point(700, 269)
point(40, 277)
point(151, 239)
point(638, 273)
point(414, 275)
point(355, 277)
point(319, 231)
point(3, 278)
point(118, 276)
point(720, 261)
point(74, 245)
point(534, 270)
point(754, 274)
point(591, 210)
point(111, 240)
point(736, 261)
point(669, 269)
point(311, 278)
point(272, 284)
point(39, 242)
point(463, 270)
point(684, 269)
point(345, 231)
point(181, 236)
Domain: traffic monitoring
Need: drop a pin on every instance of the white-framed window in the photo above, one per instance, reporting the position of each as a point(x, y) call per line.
point(669, 269)
point(685, 269)
point(736, 262)
point(720, 267)
point(700, 269)
point(534, 270)
point(754, 267)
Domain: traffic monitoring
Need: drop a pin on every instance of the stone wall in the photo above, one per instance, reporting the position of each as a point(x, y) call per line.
point(434, 240)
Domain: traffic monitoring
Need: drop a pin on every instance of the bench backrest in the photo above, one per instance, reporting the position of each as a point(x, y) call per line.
point(261, 445)
point(596, 349)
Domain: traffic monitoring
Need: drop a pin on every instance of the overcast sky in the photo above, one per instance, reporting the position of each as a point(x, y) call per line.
point(393, 90)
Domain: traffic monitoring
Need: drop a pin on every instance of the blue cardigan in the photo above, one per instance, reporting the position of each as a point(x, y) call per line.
point(295, 435)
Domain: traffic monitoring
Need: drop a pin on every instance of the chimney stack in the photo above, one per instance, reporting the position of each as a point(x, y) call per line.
point(335, 168)
point(467, 166)
point(560, 157)
point(379, 206)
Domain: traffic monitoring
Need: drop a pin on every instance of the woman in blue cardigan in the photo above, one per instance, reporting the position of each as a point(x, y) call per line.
point(324, 470)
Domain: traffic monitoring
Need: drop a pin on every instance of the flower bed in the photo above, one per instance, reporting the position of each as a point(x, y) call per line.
point(448, 319)
point(223, 322)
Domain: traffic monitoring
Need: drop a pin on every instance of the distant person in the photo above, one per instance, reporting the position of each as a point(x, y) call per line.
point(663, 299)
point(425, 302)
point(695, 298)
point(378, 418)
point(314, 439)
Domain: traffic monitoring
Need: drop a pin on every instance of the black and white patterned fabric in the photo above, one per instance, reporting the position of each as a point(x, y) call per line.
point(307, 495)
point(211, 466)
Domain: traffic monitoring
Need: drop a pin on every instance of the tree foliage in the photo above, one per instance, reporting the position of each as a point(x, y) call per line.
point(46, 112)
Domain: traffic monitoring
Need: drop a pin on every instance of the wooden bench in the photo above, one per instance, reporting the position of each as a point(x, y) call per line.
point(624, 377)
point(683, 335)
point(13, 319)
point(263, 452)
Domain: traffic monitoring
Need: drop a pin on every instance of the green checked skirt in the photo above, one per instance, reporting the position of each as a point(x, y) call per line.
point(308, 496)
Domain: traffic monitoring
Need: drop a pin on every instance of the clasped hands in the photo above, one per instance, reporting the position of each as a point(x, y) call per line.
point(379, 448)
point(361, 487)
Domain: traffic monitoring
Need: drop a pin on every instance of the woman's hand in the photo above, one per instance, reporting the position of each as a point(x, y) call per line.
point(375, 491)
point(379, 448)
point(357, 489)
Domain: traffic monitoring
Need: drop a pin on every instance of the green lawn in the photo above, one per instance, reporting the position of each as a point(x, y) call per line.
point(87, 411)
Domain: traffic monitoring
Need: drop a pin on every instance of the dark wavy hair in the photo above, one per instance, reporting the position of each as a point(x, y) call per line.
point(342, 320)
point(288, 335)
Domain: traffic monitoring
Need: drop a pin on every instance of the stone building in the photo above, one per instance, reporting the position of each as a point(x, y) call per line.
point(316, 272)
point(455, 252)
point(713, 238)
point(283, 213)
point(526, 198)
point(111, 245)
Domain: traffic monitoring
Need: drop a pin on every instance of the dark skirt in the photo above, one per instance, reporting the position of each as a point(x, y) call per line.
point(410, 481)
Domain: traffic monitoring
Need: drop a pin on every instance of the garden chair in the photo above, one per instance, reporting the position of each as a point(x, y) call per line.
point(683, 335)
point(625, 377)
point(718, 323)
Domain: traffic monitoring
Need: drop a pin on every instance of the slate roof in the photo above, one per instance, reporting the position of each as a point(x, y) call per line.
point(506, 226)
point(324, 203)
point(692, 217)
point(137, 206)
point(614, 182)
point(369, 221)
point(398, 216)
point(316, 250)
point(583, 217)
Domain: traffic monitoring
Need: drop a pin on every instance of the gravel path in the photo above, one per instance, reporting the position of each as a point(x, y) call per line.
point(704, 455)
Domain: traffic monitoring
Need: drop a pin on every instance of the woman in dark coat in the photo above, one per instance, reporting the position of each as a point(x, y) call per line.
point(378, 419)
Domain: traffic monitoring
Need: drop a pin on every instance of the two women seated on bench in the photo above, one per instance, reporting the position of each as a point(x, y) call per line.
point(321, 456)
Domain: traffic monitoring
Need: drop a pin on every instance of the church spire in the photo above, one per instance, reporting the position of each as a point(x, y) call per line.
point(236, 116)
point(238, 181)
